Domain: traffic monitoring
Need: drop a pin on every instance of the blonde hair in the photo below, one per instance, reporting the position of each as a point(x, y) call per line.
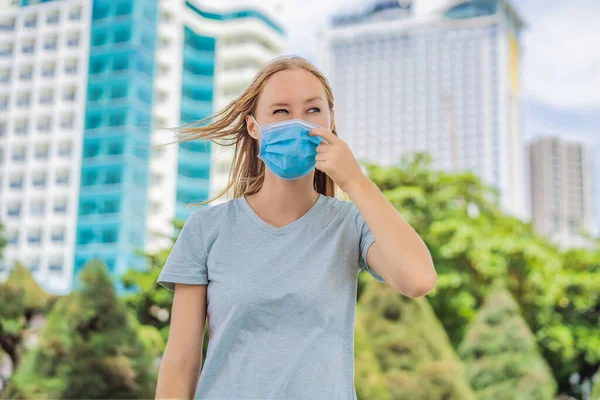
point(228, 128)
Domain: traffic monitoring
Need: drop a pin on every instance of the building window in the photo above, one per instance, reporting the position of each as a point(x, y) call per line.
point(14, 210)
point(58, 235)
point(48, 70)
point(46, 96)
point(51, 43)
point(24, 100)
point(4, 75)
point(2, 129)
point(6, 50)
point(26, 73)
point(28, 47)
point(56, 266)
point(64, 150)
point(13, 238)
point(7, 25)
point(60, 206)
point(66, 121)
point(73, 40)
point(34, 237)
point(30, 21)
point(39, 180)
point(4, 102)
point(37, 208)
point(75, 14)
point(53, 18)
point(41, 152)
point(44, 124)
point(22, 127)
point(18, 154)
point(71, 67)
point(62, 178)
point(69, 94)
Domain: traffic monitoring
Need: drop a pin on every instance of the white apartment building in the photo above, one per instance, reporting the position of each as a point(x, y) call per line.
point(561, 190)
point(408, 78)
point(43, 74)
point(245, 39)
point(61, 115)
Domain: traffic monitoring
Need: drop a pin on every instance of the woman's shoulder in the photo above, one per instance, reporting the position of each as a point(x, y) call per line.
point(340, 206)
point(213, 213)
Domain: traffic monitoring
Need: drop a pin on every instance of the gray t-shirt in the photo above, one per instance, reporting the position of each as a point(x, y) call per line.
point(281, 301)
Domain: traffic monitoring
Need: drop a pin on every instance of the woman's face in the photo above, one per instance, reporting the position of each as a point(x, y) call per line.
point(289, 94)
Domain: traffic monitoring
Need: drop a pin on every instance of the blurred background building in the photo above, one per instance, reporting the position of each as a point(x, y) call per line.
point(561, 190)
point(87, 88)
point(443, 82)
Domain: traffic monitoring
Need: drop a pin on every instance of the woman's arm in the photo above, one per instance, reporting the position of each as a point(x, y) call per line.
point(181, 362)
point(399, 254)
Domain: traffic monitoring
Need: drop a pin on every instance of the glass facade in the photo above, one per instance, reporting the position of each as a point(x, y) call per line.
point(193, 168)
point(116, 143)
point(473, 9)
point(235, 15)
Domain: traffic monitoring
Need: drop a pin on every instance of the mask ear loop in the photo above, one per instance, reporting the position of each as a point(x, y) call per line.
point(259, 136)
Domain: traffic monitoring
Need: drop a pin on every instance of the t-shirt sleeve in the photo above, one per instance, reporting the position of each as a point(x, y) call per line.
point(366, 239)
point(187, 261)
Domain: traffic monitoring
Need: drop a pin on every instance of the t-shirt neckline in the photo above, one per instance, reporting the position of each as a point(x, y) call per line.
point(286, 228)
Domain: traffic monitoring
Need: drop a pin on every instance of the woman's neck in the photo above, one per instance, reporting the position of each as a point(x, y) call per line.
point(280, 202)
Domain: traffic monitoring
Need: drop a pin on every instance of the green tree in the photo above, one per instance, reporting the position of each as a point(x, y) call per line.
point(569, 331)
point(21, 298)
point(410, 346)
point(369, 380)
point(596, 388)
point(150, 302)
point(500, 354)
point(474, 244)
point(2, 241)
point(90, 347)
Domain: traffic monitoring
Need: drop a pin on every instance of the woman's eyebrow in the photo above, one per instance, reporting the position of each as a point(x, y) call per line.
point(287, 105)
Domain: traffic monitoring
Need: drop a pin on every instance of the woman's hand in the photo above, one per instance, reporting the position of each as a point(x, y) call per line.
point(335, 158)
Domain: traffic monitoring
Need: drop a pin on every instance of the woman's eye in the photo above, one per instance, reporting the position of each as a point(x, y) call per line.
point(317, 109)
point(280, 109)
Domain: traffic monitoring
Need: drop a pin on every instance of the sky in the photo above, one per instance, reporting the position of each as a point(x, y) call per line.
point(560, 61)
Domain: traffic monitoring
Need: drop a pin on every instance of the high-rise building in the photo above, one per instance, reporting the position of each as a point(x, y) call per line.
point(561, 190)
point(206, 58)
point(44, 51)
point(86, 87)
point(444, 81)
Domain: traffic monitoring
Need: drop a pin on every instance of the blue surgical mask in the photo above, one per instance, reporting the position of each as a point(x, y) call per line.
point(287, 149)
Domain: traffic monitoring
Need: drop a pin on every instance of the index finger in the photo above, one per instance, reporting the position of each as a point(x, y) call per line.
point(324, 133)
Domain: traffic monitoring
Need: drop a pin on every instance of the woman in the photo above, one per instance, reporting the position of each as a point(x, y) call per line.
point(275, 269)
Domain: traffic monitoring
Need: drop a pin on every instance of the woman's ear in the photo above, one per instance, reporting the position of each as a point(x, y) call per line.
point(332, 120)
point(252, 127)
